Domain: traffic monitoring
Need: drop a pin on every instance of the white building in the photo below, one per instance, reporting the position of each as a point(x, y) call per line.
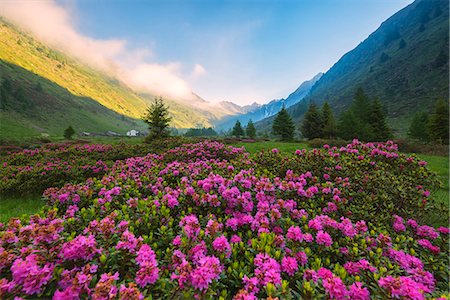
point(132, 132)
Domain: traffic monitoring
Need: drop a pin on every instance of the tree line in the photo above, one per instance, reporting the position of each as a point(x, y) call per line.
point(365, 119)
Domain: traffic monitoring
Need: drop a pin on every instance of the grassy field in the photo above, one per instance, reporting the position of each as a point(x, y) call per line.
point(283, 147)
point(17, 206)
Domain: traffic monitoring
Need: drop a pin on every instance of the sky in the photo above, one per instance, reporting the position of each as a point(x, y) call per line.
point(241, 51)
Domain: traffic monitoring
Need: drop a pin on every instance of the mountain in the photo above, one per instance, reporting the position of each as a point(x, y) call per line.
point(257, 112)
point(404, 63)
point(56, 90)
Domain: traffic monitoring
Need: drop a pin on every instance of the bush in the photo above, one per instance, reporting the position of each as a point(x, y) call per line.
point(53, 165)
point(212, 222)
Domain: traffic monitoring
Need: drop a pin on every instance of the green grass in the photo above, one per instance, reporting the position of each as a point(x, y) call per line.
point(18, 206)
point(286, 148)
point(440, 165)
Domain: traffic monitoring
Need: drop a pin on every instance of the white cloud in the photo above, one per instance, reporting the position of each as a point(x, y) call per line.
point(198, 71)
point(53, 24)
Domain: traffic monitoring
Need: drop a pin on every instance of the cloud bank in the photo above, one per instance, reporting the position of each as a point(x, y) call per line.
point(53, 24)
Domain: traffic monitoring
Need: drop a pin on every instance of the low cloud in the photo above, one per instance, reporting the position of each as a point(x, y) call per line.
point(198, 71)
point(53, 24)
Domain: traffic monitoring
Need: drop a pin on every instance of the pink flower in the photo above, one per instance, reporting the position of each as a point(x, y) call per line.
point(294, 233)
point(289, 265)
point(335, 288)
point(208, 269)
point(301, 257)
point(177, 241)
point(190, 225)
point(323, 238)
point(81, 247)
point(130, 293)
point(221, 244)
point(235, 239)
point(147, 274)
point(146, 255)
point(251, 284)
point(267, 269)
point(29, 274)
point(398, 224)
point(427, 231)
point(128, 241)
point(427, 245)
point(358, 292)
point(403, 287)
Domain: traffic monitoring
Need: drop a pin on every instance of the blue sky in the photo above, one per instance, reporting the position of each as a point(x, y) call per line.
point(250, 50)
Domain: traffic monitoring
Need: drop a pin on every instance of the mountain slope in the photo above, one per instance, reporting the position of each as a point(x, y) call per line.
point(68, 79)
point(258, 112)
point(32, 105)
point(404, 63)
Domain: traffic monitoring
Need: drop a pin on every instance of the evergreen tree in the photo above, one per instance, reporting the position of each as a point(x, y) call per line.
point(237, 129)
point(69, 132)
point(158, 119)
point(378, 127)
point(360, 104)
point(329, 123)
point(312, 125)
point(347, 125)
point(283, 125)
point(250, 130)
point(360, 108)
point(439, 122)
point(418, 128)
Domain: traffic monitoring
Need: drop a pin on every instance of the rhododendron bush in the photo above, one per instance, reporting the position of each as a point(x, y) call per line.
point(34, 170)
point(208, 221)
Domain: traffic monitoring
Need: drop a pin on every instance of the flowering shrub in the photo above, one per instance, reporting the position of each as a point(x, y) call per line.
point(208, 221)
point(54, 165)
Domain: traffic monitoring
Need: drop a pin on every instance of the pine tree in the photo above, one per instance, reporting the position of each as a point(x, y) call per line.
point(439, 122)
point(250, 130)
point(360, 108)
point(418, 128)
point(360, 104)
point(237, 129)
point(378, 128)
point(347, 125)
point(329, 123)
point(158, 119)
point(312, 125)
point(69, 132)
point(283, 125)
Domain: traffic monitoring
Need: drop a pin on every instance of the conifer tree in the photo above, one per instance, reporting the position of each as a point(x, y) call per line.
point(355, 124)
point(237, 129)
point(158, 119)
point(418, 129)
point(250, 130)
point(69, 132)
point(328, 121)
point(439, 122)
point(312, 125)
point(283, 126)
point(378, 128)
point(347, 125)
